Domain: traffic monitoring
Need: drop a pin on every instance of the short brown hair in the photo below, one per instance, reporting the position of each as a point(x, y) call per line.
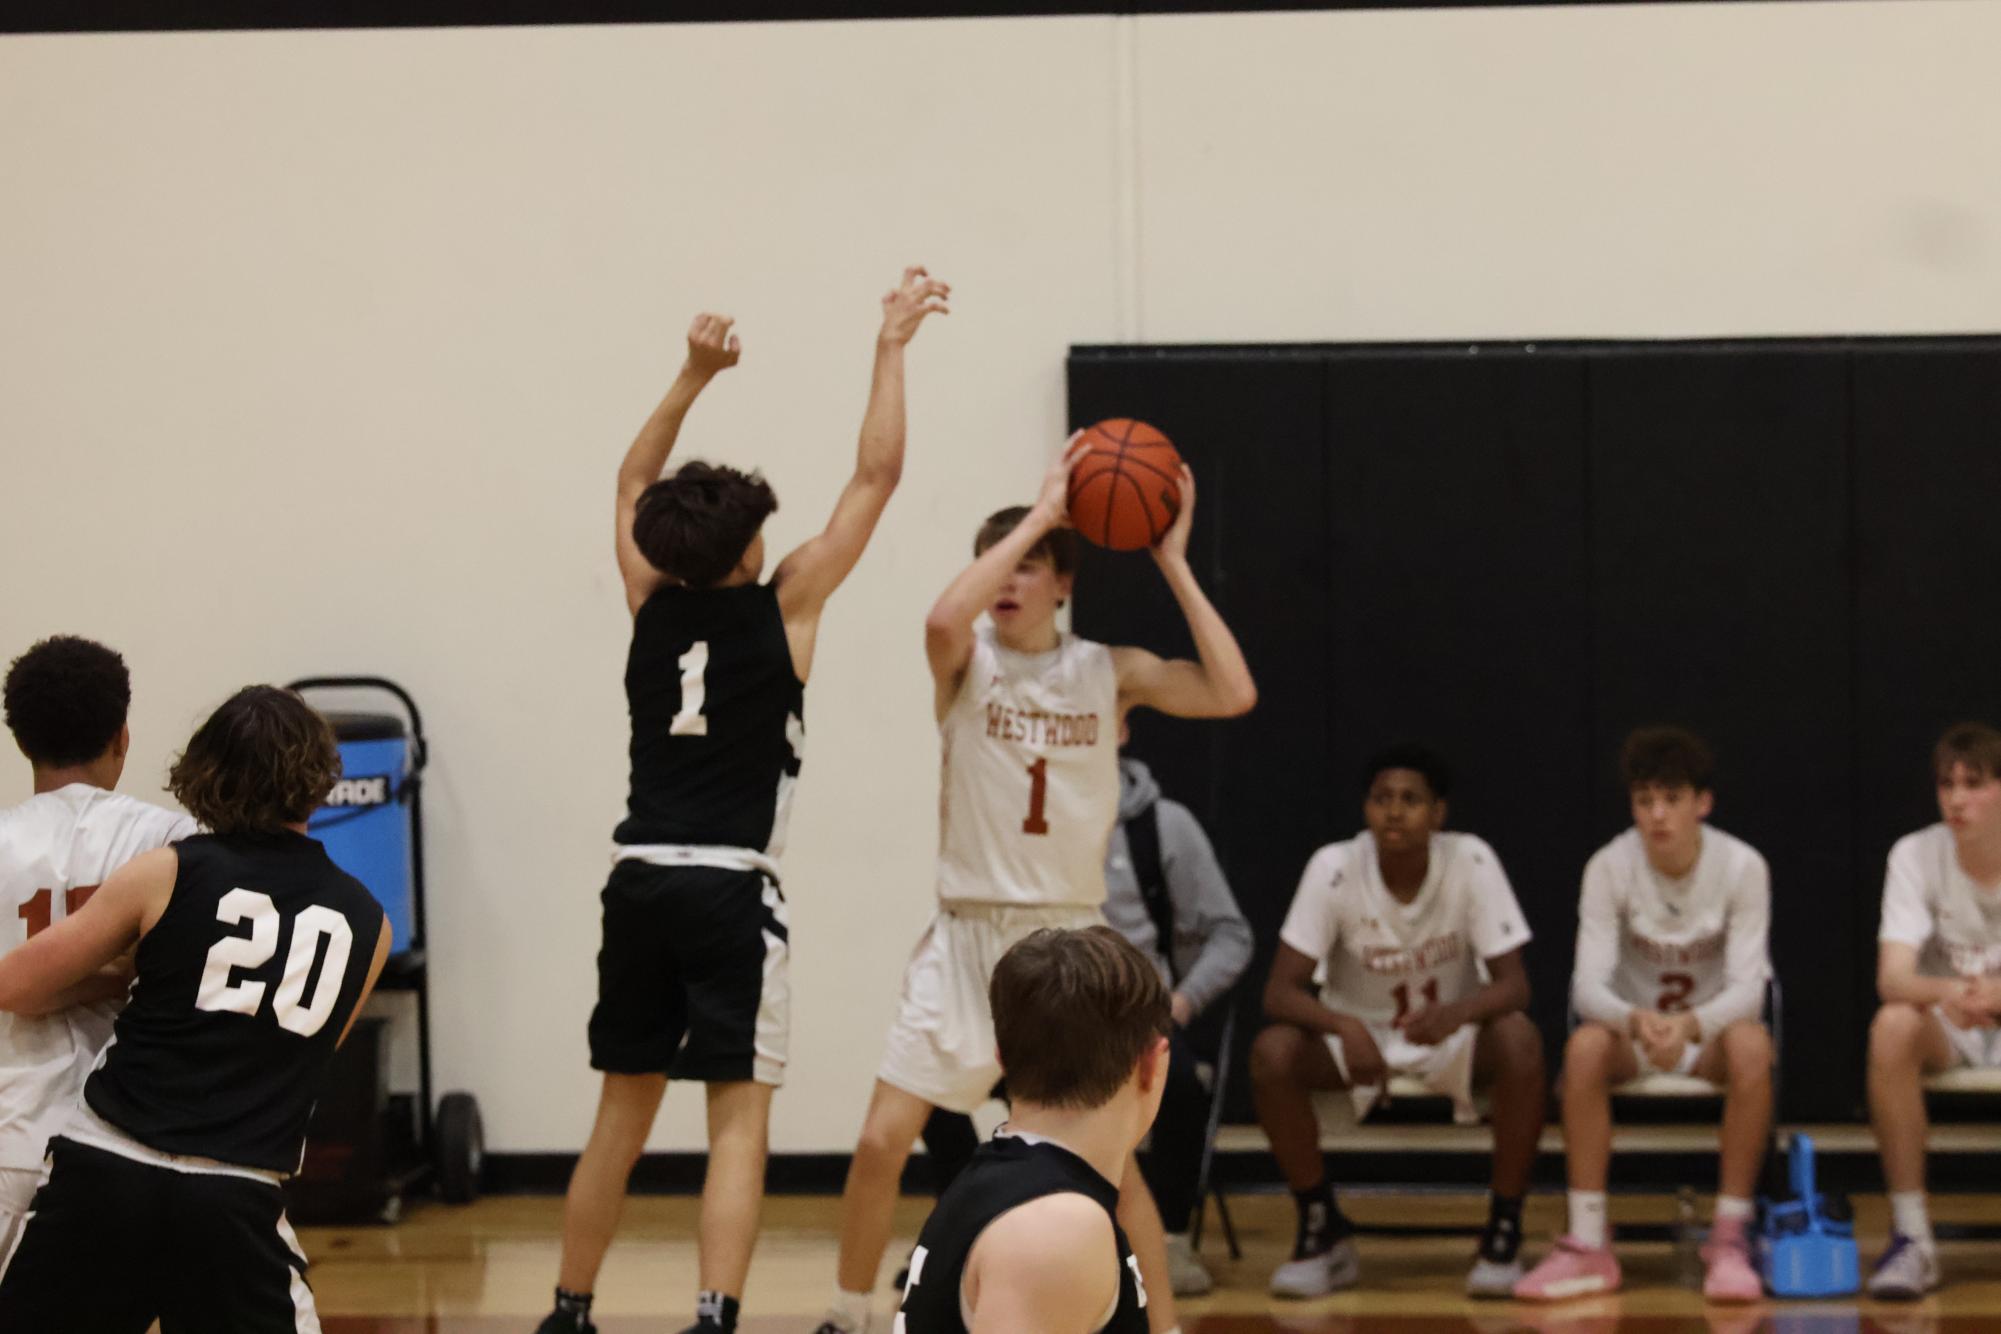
point(1667, 757)
point(1058, 546)
point(1073, 1013)
point(262, 761)
point(695, 525)
point(1975, 745)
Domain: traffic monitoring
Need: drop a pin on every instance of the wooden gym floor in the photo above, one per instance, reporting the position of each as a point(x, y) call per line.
point(489, 1269)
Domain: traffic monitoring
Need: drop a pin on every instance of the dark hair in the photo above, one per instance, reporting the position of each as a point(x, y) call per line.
point(1428, 763)
point(1975, 745)
point(1073, 1013)
point(1058, 546)
point(262, 761)
point(695, 525)
point(66, 700)
point(1667, 757)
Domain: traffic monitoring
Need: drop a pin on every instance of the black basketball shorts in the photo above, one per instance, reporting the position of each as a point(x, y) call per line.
point(692, 975)
point(112, 1245)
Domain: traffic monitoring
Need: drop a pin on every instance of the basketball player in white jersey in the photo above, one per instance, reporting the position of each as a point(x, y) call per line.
point(1938, 972)
point(66, 700)
point(1028, 721)
point(1420, 939)
point(1672, 964)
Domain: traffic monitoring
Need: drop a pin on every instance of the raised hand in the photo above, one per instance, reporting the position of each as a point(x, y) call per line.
point(1173, 544)
point(711, 345)
point(1054, 499)
point(904, 307)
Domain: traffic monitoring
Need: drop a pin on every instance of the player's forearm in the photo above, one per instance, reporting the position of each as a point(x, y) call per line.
point(1231, 687)
point(102, 986)
point(1497, 998)
point(648, 455)
point(879, 459)
point(979, 583)
point(1597, 1003)
point(1910, 987)
point(1291, 1005)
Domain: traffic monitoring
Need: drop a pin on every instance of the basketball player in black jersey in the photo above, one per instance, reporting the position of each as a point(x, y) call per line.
point(162, 1198)
point(1027, 1237)
point(692, 972)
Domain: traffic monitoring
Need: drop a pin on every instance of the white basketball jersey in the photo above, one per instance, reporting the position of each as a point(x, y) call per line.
point(1673, 934)
point(1931, 904)
point(55, 849)
point(1030, 787)
point(1385, 959)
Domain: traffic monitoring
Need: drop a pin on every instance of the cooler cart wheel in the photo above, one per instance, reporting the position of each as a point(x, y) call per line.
point(461, 1148)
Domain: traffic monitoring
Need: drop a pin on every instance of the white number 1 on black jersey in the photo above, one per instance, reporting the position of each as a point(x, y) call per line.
point(694, 664)
point(294, 1012)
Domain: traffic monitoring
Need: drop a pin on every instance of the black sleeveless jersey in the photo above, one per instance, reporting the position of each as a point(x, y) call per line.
point(244, 988)
point(718, 719)
point(1005, 1174)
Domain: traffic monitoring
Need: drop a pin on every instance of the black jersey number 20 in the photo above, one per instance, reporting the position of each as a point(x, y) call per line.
point(294, 1010)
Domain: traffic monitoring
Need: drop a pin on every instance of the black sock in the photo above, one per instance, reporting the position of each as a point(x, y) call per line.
point(713, 1310)
point(1501, 1239)
point(1321, 1222)
point(576, 1304)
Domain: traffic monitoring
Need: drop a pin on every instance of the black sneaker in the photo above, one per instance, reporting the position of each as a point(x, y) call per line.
point(562, 1322)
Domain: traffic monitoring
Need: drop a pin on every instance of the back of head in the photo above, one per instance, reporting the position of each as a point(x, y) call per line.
point(1058, 546)
point(1419, 759)
point(262, 761)
point(1975, 745)
point(1668, 757)
point(66, 700)
point(1073, 1013)
point(695, 525)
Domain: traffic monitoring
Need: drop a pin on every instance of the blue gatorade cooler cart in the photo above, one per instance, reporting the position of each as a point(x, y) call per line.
point(367, 1150)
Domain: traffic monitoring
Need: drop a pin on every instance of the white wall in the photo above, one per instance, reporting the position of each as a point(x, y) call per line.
point(317, 352)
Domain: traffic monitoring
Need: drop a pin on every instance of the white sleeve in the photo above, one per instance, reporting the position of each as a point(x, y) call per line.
point(1747, 958)
point(1311, 926)
point(1907, 918)
point(183, 827)
point(1498, 924)
point(1591, 993)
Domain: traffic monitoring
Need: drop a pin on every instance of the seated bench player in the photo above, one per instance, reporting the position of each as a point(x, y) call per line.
point(1938, 973)
point(1422, 941)
point(1671, 969)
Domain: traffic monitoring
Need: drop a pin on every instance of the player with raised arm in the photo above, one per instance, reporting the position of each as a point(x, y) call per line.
point(1028, 721)
point(1420, 939)
point(163, 1196)
point(66, 701)
point(1670, 976)
point(1938, 973)
point(1028, 1237)
point(692, 972)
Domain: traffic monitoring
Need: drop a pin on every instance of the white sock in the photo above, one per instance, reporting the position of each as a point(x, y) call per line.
point(850, 1311)
point(1587, 1218)
point(1734, 1207)
point(1910, 1217)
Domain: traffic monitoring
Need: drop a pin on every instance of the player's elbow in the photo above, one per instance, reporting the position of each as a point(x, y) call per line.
point(879, 475)
point(1240, 699)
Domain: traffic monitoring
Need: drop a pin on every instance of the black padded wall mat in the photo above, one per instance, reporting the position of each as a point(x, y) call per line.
point(1518, 553)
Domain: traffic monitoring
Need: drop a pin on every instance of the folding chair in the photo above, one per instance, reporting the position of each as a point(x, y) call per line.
point(1216, 1072)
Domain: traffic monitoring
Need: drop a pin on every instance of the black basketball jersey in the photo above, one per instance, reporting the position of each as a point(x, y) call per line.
point(244, 988)
point(1005, 1174)
point(718, 720)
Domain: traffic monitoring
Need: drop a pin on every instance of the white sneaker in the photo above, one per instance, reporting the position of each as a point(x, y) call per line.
point(1318, 1274)
point(1907, 1271)
point(1491, 1278)
point(1185, 1270)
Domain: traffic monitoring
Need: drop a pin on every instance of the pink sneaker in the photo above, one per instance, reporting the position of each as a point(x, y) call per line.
point(1731, 1277)
point(1571, 1270)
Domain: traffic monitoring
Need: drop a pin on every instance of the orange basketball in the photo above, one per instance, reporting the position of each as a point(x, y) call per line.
point(1125, 490)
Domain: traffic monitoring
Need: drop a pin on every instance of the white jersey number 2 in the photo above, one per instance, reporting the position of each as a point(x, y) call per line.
point(294, 1011)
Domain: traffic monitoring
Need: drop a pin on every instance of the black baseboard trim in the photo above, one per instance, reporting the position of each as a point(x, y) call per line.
point(1255, 1173)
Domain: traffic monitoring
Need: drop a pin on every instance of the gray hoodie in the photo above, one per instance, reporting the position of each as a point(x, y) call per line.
point(1212, 941)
